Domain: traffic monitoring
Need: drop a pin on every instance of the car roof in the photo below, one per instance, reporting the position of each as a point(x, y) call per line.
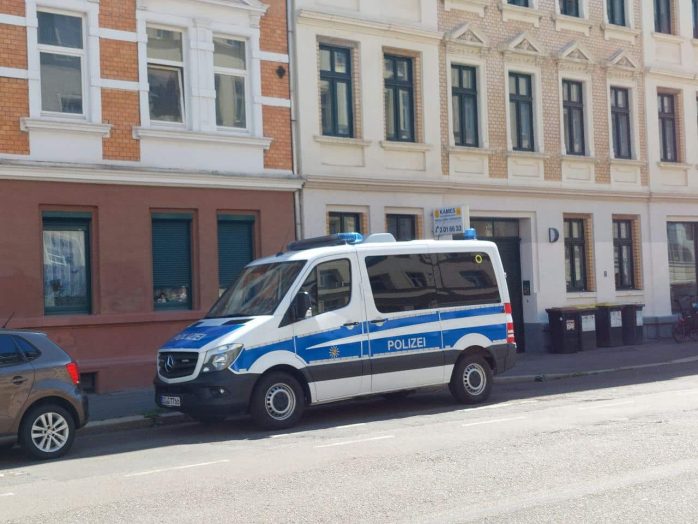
point(7, 331)
point(386, 248)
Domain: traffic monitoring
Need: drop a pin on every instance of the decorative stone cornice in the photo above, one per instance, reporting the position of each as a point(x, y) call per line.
point(523, 48)
point(466, 39)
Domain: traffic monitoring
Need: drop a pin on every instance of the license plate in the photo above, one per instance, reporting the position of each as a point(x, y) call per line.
point(170, 401)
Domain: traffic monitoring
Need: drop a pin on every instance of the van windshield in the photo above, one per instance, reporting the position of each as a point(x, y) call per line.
point(257, 291)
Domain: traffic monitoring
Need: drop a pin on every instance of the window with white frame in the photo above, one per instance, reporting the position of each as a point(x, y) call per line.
point(166, 75)
point(230, 69)
point(61, 45)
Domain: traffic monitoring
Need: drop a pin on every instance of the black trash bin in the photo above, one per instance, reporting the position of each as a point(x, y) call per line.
point(587, 322)
point(633, 325)
point(609, 325)
point(571, 329)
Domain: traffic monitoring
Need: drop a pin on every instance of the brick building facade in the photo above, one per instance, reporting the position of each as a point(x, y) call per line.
point(145, 155)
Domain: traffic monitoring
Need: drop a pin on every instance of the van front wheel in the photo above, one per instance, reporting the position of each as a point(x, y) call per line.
point(472, 379)
point(277, 401)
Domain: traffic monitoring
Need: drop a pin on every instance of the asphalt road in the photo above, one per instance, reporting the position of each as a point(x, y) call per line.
point(621, 447)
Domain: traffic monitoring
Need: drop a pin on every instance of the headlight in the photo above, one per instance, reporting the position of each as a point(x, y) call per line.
point(217, 359)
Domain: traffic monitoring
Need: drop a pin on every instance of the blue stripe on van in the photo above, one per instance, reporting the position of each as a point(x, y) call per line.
point(305, 349)
point(476, 312)
point(196, 337)
point(492, 332)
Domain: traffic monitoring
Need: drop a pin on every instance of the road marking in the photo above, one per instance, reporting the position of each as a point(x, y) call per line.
point(502, 405)
point(493, 421)
point(347, 442)
point(7, 494)
point(175, 468)
point(612, 405)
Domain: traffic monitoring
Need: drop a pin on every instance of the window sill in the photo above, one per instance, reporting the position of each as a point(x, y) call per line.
point(517, 13)
point(572, 23)
point(586, 159)
point(64, 125)
point(341, 141)
point(405, 146)
point(582, 294)
point(465, 150)
point(619, 32)
point(630, 292)
point(472, 6)
point(527, 154)
point(626, 162)
point(195, 136)
point(678, 166)
point(674, 39)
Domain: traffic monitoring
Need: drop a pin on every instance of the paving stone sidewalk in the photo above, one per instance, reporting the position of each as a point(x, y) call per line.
point(530, 366)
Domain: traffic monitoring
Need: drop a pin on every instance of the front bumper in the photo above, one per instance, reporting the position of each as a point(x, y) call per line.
point(504, 356)
point(219, 393)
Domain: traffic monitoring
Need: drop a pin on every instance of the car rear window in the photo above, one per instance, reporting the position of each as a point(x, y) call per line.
point(27, 348)
point(466, 279)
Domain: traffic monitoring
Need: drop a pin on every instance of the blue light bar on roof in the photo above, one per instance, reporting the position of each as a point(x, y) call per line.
point(470, 234)
point(351, 238)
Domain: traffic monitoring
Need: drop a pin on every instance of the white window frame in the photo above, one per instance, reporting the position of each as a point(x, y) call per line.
point(217, 70)
point(586, 81)
point(629, 13)
point(482, 113)
point(170, 64)
point(66, 51)
point(538, 133)
point(631, 86)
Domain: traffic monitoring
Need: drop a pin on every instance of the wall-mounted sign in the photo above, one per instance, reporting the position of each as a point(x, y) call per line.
point(451, 220)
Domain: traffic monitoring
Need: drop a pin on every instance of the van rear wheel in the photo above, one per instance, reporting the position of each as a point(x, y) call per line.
point(472, 379)
point(277, 401)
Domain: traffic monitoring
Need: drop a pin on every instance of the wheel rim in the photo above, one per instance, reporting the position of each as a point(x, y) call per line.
point(50, 432)
point(474, 379)
point(280, 401)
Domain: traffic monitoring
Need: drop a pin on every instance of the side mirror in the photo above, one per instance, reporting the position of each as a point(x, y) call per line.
point(302, 306)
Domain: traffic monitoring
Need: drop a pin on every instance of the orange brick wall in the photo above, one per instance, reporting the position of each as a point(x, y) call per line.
point(119, 60)
point(14, 104)
point(13, 45)
point(12, 7)
point(118, 14)
point(273, 28)
point(272, 85)
point(121, 110)
point(277, 126)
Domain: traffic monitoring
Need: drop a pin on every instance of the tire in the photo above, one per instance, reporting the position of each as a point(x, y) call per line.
point(680, 332)
point(47, 432)
point(277, 401)
point(472, 379)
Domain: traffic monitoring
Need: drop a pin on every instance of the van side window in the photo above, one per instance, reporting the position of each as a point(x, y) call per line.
point(329, 286)
point(402, 282)
point(8, 351)
point(466, 279)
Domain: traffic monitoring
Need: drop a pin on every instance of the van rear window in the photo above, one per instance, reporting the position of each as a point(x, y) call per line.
point(426, 281)
point(466, 279)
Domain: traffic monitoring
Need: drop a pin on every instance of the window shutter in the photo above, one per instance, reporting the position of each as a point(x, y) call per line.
point(172, 252)
point(235, 247)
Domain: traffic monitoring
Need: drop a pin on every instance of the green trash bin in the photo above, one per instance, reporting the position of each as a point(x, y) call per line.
point(633, 325)
point(609, 325)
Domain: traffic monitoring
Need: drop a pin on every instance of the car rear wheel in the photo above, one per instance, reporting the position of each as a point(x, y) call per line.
point(47, 432)
point(277, 401)
point(471, 381)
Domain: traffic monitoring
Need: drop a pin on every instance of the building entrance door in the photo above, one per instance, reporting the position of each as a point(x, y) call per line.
point(505, 233)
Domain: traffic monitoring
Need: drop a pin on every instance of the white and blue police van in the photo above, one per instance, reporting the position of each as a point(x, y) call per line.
point(341, 317)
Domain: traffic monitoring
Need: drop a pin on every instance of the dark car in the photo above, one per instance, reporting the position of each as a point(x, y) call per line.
point(41, 403)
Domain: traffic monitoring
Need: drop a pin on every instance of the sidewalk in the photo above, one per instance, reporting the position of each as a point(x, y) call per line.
point(136, 408)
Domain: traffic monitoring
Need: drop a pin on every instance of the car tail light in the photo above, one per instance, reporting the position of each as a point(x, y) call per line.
point(74, 372)
point(511, 339)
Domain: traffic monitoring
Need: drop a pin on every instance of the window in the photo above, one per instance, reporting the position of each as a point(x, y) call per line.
point(616, 12)
point(329, 286)
point(624, 267)
point(573, 117)
point(667, 127)
point(26, 347)
point(521, 111)
point(335, 91)
point(166, 75)
point(662, 16)
point(682, 239)
point(402, 282)
point(8, 351)
point(466, 279)
point(569, 7)
point(464, 100)
point(171, 261)
point(66, 246)
point(345, 223)
point(402, 227)
point(695, 18)
point(61, 57)
point(235, 247)
point(399, 98)
point(230, 75)
point(620, 121)
point(522, 3)
point(575, 255)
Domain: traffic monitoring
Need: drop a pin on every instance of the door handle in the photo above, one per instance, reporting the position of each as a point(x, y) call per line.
point(379, 321)
point(351, 324)
point(18, 380)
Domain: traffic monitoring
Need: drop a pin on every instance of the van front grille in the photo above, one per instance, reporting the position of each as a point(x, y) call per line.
point(175, 364)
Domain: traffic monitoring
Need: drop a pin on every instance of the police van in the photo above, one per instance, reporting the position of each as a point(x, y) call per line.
point(340, 317)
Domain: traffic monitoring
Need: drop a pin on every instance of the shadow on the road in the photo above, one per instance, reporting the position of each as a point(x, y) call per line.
point(427, 402)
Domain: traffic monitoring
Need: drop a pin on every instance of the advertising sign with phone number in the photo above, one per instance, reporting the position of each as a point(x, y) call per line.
point(450, 220)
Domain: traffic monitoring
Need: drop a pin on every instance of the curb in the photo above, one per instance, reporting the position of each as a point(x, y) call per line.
point(134, 422)
point(542, 377)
